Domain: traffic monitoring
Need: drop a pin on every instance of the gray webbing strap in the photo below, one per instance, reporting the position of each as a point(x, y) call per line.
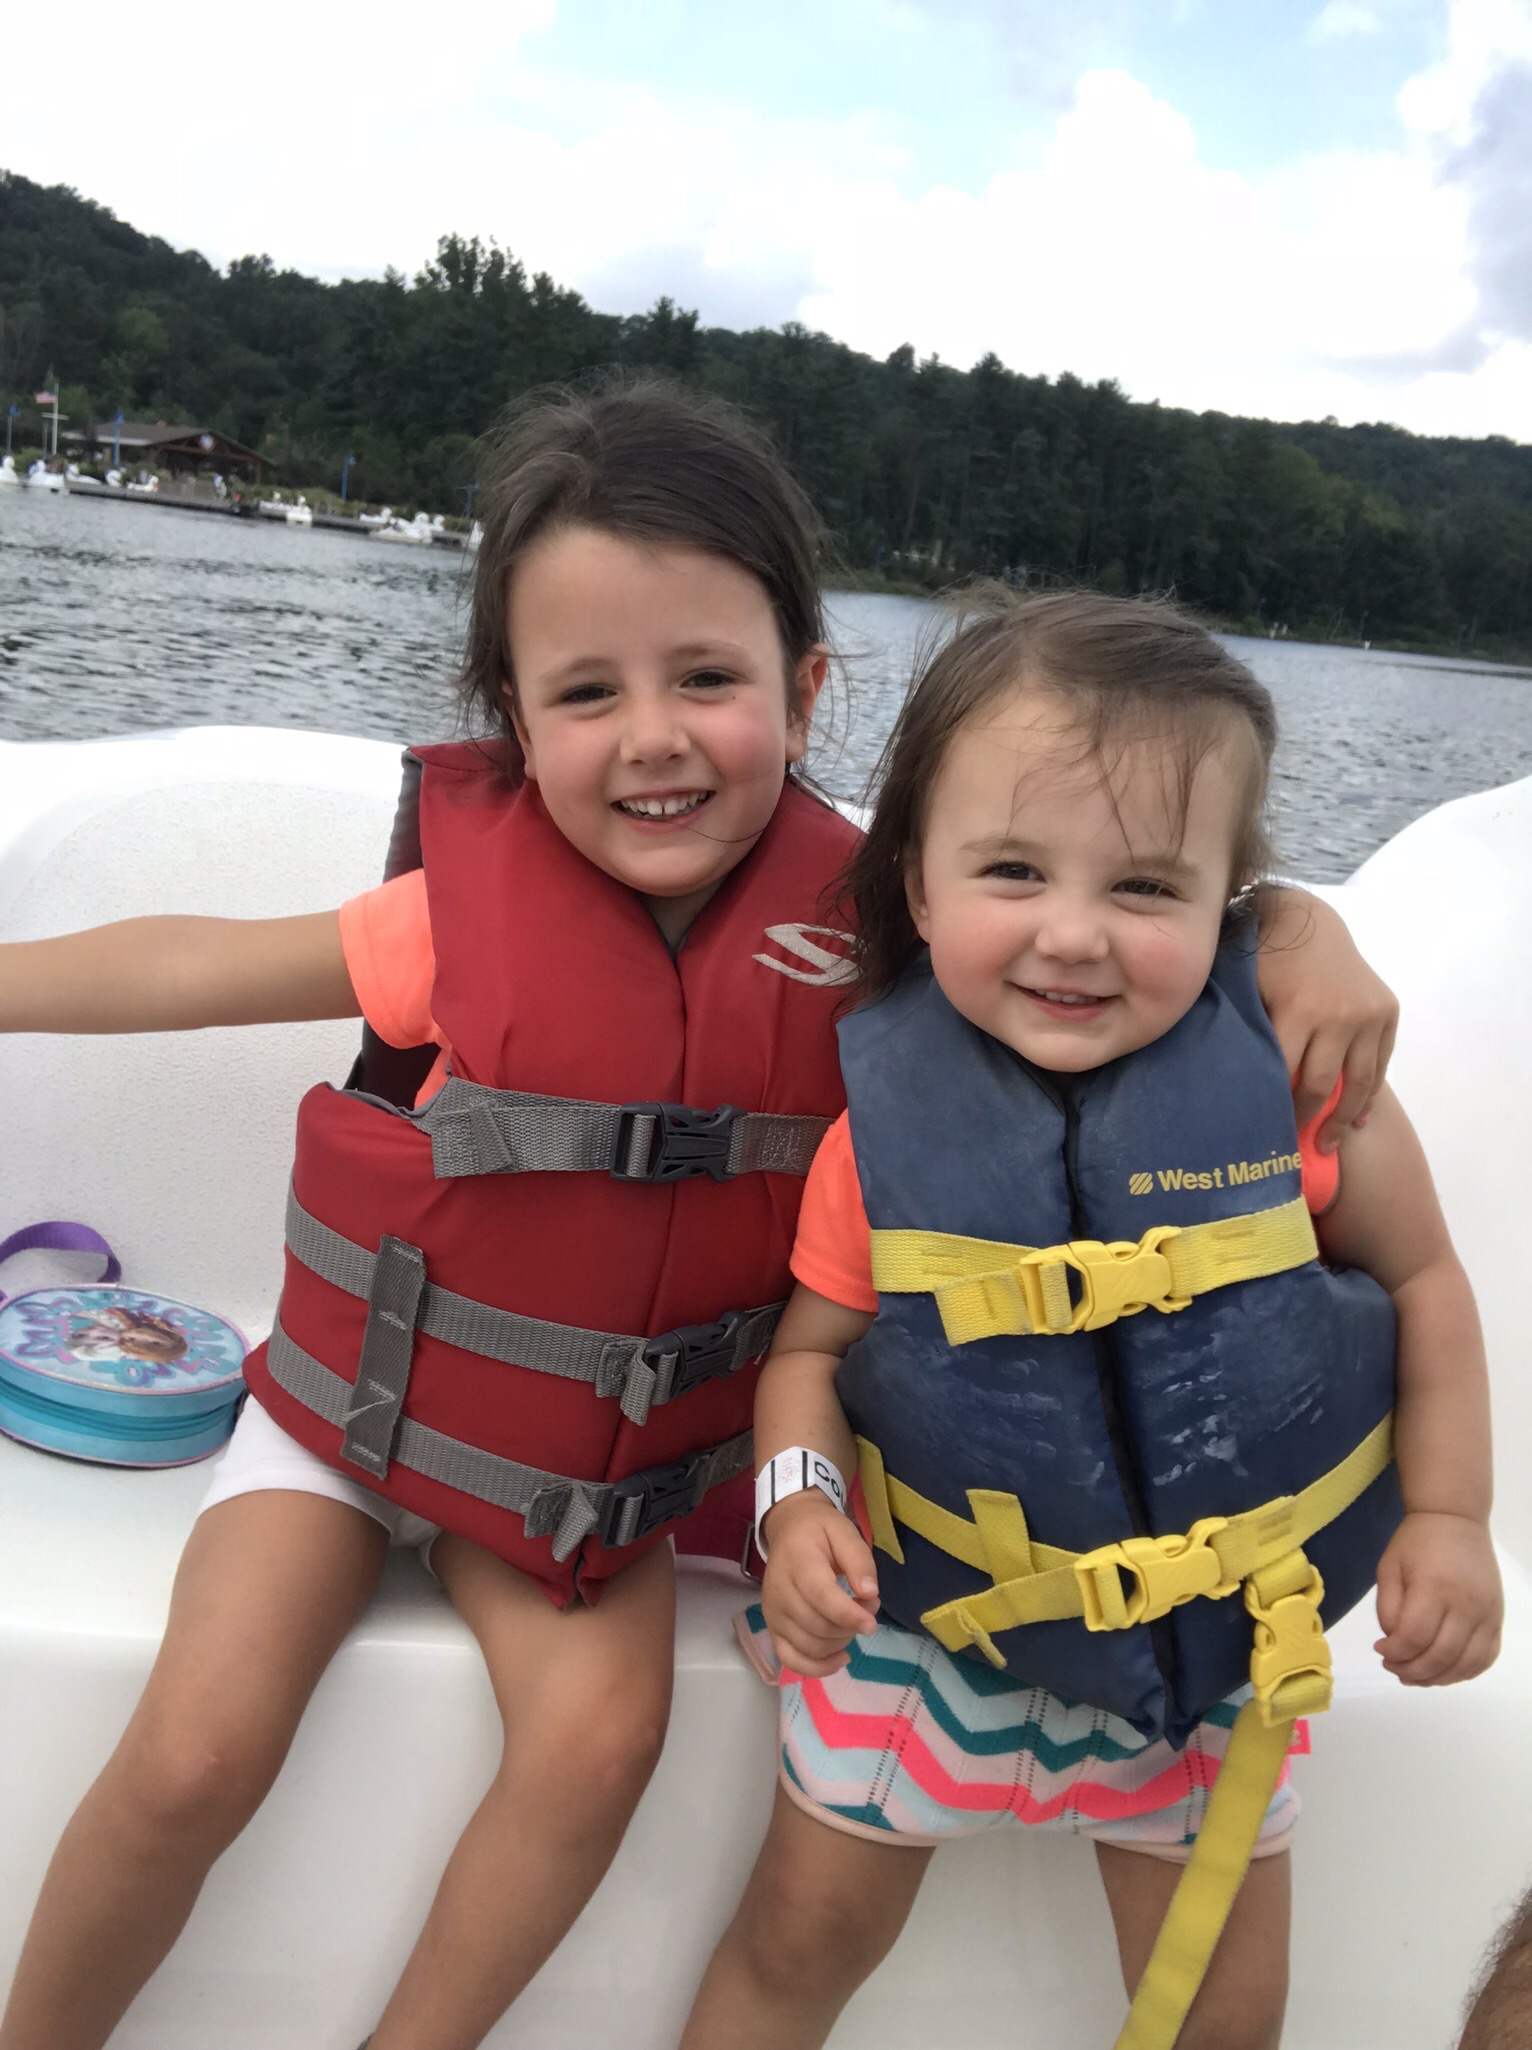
point(388, 1344)
point(640, 1371)
point(552, 1504)
point(763, 1144)
point(475, 1130)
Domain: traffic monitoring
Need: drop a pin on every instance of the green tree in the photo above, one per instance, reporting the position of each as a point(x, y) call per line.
point(919, 468)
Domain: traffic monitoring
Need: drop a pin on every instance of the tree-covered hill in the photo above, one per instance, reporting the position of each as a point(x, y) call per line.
point(922, 471)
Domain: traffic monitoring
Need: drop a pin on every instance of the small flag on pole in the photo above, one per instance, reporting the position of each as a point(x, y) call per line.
point(46, 398)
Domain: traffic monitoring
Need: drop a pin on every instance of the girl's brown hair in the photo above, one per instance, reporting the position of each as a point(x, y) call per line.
point(649, 462)
point(1124, 669)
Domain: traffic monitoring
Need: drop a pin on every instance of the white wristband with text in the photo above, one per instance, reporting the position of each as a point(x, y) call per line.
point(789, 1473)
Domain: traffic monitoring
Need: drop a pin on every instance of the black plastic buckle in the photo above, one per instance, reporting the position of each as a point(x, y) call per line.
point(684, 1143)
point(701, 1352)
point(662, 1491)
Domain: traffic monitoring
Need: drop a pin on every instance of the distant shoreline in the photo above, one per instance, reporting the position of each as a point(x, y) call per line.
point(1514, 659)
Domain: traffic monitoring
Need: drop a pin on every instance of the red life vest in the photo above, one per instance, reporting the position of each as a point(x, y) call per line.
point(553, 981)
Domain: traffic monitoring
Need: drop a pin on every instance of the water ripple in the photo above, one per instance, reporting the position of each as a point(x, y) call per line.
point(114, 618)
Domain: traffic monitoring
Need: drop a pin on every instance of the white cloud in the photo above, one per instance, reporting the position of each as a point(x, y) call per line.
point(1122, 254)
point(310, 130)
point(1483, 36)
point(1471, 117)
point(1356, 282)
point(1343, 18)
point(1343, 283)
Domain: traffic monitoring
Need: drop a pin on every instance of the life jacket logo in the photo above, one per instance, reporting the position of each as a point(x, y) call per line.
point(824, 970)
point(1233, 1175)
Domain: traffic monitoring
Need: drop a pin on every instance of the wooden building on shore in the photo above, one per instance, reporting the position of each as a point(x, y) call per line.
point(162, 445)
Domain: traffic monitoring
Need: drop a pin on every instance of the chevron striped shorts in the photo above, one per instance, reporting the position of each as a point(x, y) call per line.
point(911, 1745)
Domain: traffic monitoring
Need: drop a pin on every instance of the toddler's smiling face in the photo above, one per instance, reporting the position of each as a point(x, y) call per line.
point(1072, 906)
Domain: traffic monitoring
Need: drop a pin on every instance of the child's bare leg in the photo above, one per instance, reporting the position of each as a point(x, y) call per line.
point(584, 1696)
point(821, 1911)
point(268, 1585)
point(1240, 2003)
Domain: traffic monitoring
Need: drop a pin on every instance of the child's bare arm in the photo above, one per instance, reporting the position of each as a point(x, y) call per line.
point(1439, 1600)
point(1332, 1015)
point(1387, 1221)
point(812, 1546)
point(173, 974)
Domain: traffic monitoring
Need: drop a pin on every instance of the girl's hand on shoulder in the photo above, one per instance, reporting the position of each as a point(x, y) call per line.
point(1439, 1600)
point(1333, 1016)
point(810, 1615)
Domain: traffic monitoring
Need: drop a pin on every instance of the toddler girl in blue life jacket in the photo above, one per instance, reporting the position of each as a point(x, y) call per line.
point(609, 927)
point(1118, 1433)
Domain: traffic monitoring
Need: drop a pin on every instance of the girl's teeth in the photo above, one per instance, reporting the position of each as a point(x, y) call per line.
point(1058, 996)
point(661, 807)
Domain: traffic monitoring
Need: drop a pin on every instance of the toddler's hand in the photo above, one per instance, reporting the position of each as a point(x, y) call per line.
point(809, 1614)
point(1439, 1600)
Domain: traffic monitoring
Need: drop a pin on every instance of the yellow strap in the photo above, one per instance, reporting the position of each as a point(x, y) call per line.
point(880, 1514)
point(1214, 1874)
point(989, 1544)
point(985, 1288)
point(1122, 1584)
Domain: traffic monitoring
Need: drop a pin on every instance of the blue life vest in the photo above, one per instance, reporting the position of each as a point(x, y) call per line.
point(1250, 1393)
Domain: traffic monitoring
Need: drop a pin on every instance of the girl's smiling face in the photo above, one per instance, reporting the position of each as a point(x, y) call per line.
point(653, 709)
point(1071, 911)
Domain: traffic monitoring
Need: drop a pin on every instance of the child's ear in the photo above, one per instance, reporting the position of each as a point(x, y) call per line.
point(519, 728)
point(808, 681)
point(915, 897)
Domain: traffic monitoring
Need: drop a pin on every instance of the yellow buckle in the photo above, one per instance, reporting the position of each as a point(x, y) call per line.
point(1117, 1279)
point(1165, 1572)
point(1290, 1665)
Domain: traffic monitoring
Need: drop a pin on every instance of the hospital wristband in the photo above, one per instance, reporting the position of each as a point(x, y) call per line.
point(789, 1473)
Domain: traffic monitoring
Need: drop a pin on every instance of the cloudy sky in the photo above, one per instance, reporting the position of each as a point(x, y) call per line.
point(1284, 207)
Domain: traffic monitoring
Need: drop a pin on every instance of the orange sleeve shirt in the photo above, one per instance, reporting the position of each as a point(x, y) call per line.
point(385, 935)
point(833, 1251)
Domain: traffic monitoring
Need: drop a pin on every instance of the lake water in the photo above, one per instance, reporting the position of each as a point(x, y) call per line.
point(118, 617)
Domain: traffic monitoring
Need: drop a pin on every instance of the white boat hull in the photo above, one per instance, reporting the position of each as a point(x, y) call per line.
point(1418, 1806)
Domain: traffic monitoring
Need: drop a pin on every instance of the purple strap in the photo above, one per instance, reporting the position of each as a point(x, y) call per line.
point(59, 1235)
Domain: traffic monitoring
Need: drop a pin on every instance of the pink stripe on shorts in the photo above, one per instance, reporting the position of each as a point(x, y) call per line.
point(911, 1745)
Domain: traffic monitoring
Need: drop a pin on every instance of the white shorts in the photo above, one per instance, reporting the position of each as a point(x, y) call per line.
point(260, 1455)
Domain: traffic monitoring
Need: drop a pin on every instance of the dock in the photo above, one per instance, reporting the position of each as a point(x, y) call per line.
point(245, 508)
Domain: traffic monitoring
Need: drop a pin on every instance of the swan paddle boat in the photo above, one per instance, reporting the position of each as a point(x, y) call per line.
point(297, 512)
point(419, 532)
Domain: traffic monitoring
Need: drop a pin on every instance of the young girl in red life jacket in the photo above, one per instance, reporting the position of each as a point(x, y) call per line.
point(1051, 1308)
point(611, 942)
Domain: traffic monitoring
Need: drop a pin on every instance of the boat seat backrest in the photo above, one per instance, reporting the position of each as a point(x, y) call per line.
point(177, 1146)
point(1441, 912)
